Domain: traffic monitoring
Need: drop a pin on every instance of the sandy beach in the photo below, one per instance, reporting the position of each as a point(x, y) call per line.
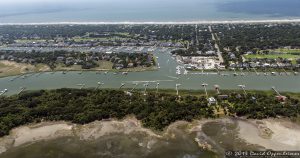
point(52, 130)
point(161, 22)
point(275, 134)
point(283, 134)
point(99, 129)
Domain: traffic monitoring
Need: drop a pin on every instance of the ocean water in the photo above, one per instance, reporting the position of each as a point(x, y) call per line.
point(26, 11)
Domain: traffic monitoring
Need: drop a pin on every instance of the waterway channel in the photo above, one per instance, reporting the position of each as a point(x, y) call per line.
point(166, 75)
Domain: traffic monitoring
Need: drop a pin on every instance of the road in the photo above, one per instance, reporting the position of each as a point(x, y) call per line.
point(216, 44)
point(196, 30)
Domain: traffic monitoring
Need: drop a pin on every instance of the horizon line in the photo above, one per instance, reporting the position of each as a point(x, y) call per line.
point(160, 23)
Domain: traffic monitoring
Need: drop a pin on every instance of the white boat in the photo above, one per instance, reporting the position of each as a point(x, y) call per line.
point(4, 91)
point(173, 77)
point(185, 72)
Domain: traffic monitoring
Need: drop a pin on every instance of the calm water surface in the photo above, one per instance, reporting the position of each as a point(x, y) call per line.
point(166, 76)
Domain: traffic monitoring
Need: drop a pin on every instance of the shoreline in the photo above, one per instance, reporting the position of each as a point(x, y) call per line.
point(48, 130)
point(160, 22)
point(184, 92)
point(74, 70)
point(284, 134)
point(149, 70)
point(272, 134)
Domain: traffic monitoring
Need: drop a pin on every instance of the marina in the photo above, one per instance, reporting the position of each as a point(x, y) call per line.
point(168, 75)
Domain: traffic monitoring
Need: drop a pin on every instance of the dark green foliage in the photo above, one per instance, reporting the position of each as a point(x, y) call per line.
point(263, 106)
point(84, 106)
point(154, 110)
point(250, 37)
point(50, 58)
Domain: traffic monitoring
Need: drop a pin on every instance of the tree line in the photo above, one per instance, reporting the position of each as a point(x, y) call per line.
point(155, 110)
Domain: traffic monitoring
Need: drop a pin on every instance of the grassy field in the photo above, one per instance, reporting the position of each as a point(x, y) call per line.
point(273, 56)
point(283, 50)
point(291, 54)
point(10, 68)
point(292, 57)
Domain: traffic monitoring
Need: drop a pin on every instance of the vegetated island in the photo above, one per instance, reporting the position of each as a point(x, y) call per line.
point(155, 110)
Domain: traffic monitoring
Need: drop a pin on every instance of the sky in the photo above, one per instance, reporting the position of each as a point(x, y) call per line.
point(28, 1)
point(31, 2)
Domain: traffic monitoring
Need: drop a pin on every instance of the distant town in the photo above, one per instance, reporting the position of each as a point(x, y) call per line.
point(236, 47)
point(159, 74)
